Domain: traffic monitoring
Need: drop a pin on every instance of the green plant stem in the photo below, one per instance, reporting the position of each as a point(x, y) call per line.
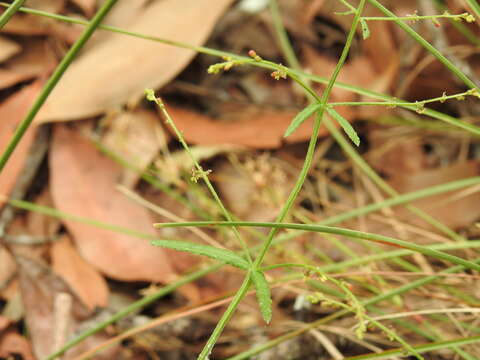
point(413, 17)
point(341, 266)
point(337, 231)
point(227, 315)
point(443, 98)
point(11, 10)
point(313, 139)
point(54, 79)
point(218, 53)
point(430, 48)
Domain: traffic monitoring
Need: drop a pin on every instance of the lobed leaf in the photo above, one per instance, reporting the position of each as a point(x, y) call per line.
point(226, 256)
point(264, 297)
point(349, 130)
point(300, 118)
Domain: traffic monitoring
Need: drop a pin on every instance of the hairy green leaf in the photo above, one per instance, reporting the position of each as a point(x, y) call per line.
point(349, 130)
point(226, 256)
point(263, 294)
point(300, 118)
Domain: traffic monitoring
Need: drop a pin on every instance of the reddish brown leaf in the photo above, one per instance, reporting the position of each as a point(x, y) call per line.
point(104, 78)
point(87, 283)
point(36, 59)
point(452, 212)
point(83, 183)
point(13, 344)
point(53, 6)
point(7, 48)
point(7, 267)
point(27, 24)
point(41, 225)
point(136, 136)
point(87, 6)
point(40, 287)
point(12, 77)
point(256, 129)
point(395, 154)
point(4, 322)
point(12, 112)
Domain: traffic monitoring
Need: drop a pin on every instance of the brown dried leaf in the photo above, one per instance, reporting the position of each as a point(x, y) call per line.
point(358, 72)
point(262, 129)
point(41, 225)
point(52, 312)
point(40, 287)
point(13, 344)
point(452, 212)
point(8, 48)
point(87, 283)
point(12, 112)
point(122, 15)
point(52, 6)
point(106, 76)
point(245, 191)
point(87, 6)
point(36, 59)
point(7, 267)
point(4, 322)
point(28, 24)
point(394, 154)
point(380, 48)
point(136, 136)
point(83, 183)
point(9, 292)
point(11, 77)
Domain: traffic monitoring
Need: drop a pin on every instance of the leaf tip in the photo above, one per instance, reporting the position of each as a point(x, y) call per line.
point(288, 132)
point(263, 295)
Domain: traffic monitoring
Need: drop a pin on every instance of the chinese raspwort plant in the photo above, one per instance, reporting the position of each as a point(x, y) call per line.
point(254, 274)
point(318, 107)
